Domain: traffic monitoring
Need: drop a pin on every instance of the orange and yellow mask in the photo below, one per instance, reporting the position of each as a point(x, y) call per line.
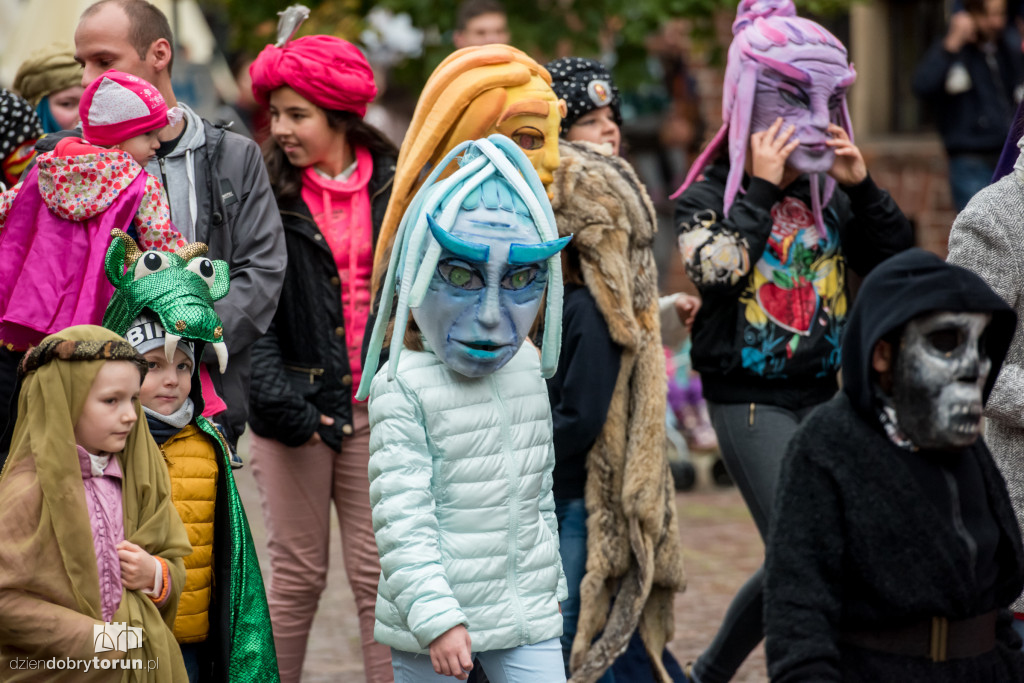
point(475, 92)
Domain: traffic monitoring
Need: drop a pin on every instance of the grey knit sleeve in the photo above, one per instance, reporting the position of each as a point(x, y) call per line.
point(987, 239)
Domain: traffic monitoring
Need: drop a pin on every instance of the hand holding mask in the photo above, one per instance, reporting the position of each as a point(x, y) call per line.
point(849, 167)
point(770, 150)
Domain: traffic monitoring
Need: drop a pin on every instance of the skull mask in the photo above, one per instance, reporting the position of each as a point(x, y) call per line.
point(939, 379)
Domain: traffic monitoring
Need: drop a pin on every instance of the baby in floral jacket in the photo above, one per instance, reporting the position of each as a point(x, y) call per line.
point(55, 225)
point(121, 115)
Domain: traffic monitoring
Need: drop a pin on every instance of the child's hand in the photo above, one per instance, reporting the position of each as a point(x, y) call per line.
point(137, 566)
point(687, 306)
point(769, 150)
point(849, 167)
point(451, 653)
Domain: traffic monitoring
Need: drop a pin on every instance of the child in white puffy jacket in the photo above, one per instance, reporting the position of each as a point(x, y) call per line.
point(461, 445)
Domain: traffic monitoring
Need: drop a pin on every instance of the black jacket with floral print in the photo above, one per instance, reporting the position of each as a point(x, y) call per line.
point(774, 287)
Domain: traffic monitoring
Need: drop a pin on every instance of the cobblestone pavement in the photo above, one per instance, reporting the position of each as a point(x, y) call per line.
point(722, 549)
point(721, 546)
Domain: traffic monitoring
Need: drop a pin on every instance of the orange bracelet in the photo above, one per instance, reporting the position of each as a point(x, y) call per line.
point(167, 581)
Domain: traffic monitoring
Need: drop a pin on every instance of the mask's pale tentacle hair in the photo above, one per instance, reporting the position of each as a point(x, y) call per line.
point(426, 271)
point(416, 239)
point(415, 255)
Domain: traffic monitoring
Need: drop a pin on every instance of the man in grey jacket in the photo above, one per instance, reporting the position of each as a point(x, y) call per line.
point(215, 181)
point(986, 238)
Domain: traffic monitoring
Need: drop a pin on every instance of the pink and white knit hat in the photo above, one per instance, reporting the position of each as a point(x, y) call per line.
point(117, 106)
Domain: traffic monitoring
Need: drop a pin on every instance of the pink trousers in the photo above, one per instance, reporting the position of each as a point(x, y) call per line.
point(297, 486)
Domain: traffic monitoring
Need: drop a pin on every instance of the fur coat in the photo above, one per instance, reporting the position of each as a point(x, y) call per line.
point(634, 557)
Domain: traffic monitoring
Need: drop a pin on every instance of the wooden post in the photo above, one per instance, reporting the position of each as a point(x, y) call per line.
point(871, 54)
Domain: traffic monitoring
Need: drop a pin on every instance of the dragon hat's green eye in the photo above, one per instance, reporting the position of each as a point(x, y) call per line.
point(149, 263)
point(203, 267)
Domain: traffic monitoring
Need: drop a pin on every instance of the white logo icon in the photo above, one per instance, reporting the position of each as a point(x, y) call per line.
point(116, 636)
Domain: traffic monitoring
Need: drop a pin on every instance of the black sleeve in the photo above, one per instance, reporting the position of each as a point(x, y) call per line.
point(588, 367)
point(875, 229)
point(803, 571)
point(930, 76)
point(291, 419)
point(719, 252)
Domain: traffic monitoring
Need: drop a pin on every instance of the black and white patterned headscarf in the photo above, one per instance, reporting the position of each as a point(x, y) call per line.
point(18, 122)
point(585, 85)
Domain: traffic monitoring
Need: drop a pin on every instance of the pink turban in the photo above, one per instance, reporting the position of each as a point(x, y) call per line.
point(329, 72)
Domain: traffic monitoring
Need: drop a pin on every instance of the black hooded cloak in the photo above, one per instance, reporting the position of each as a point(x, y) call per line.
point(869, 537)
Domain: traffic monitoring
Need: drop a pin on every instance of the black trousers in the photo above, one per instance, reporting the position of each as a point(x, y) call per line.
point(753, 438)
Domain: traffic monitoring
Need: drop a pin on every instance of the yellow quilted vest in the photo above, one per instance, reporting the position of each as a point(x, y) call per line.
point(192, 463)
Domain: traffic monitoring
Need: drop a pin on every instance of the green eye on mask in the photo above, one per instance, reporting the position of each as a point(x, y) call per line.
point(520, 278)
point(459, 277)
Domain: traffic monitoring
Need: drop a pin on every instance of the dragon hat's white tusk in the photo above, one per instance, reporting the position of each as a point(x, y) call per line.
point(170, 346)
point(221, 349)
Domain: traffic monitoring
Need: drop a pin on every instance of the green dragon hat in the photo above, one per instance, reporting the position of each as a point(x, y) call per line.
point(179, 287)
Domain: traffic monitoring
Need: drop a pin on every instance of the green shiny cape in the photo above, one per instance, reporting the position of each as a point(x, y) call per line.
point(248, 638)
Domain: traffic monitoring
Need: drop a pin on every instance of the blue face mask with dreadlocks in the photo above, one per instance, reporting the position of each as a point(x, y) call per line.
point(472, 258)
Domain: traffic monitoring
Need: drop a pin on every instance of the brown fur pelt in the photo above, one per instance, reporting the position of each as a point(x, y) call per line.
point(634, 558)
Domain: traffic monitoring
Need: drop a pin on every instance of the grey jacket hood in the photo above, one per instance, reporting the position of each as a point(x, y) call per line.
point(177, 173)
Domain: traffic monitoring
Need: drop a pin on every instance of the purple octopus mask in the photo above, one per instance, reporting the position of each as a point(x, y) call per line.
point(781, 65)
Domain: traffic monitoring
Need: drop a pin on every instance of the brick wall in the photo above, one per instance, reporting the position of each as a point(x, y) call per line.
point(914, 171)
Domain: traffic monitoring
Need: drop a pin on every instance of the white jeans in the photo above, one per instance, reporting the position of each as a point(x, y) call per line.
point(537, 663)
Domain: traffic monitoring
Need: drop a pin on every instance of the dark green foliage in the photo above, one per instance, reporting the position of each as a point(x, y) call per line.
point(543, 28)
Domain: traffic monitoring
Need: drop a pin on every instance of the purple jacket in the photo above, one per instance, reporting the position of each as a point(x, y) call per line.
point(106, 517)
